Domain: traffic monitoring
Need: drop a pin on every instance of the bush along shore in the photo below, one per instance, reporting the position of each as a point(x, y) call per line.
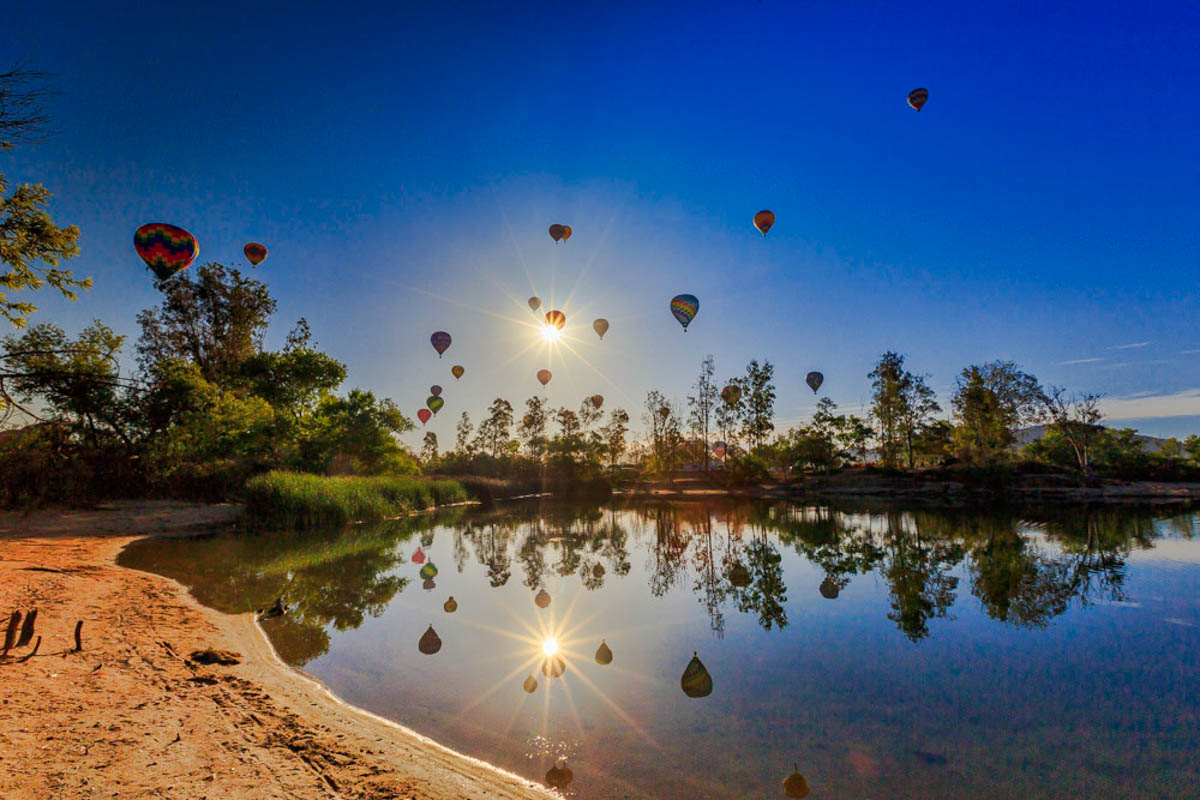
point(297, 500)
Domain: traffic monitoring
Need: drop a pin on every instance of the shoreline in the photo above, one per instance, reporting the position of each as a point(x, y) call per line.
point(134, 715)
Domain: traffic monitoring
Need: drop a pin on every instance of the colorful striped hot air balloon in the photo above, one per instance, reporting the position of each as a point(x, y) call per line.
point(684, 307)
point(429, 571)
point(556, 319)
point(440, 341)
point(165, 248)
point(255, 253)
point(917, 98)
point(763, 220)
point(434, 403)
point(696, 681)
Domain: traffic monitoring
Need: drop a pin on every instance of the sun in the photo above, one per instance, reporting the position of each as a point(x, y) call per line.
point(550, 646)
point(550, 333)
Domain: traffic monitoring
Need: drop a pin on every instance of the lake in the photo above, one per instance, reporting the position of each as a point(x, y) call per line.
point(887, 653)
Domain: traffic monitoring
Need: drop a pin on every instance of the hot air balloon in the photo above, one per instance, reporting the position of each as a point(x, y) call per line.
point(543, 376)
point(554, 666)
point(794, 785)
point(814, 380)
point(731, 394)
point(603, 654)
point(556, 232)
point(440, 341)
point(828, 589)
point(684, 307)
point(165, 248)
point(255, 253)
point(719, 449)
point(430, 643)
point(457, 371)
point(450, 606)
point(600, 326)
point(535, 303)
point(763, 220)
point(596, 400)
point(696, 681)
point(542, 599)
point(429, 571)
point(917, 98)
point(530, 685)
point(558, 777)
point(598, 571)
point(435, 403)
point(566, 231)
point(556, 319)
point(424, 414)
point(435, 390)
point(419, 556)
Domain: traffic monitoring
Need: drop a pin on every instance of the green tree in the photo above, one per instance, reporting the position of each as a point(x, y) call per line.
point(888, 380)
point(614, 434)
point(533, 427)
point(295, 379)
point(758, 402)
point(359, 431)
point(662, 421)
point(429, 448)
point(462, 439)
point(702, 406)
point(991, 403)
point(494, 432)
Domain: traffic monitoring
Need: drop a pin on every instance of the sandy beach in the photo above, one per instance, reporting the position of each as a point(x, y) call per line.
point(133, 715)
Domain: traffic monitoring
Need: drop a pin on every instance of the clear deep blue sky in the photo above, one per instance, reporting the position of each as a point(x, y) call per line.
point(402, 161)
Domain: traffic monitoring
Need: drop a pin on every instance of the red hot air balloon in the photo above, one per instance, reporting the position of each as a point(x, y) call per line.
point(556, 232)
point(917, 98)
point(763, 220)
point(255, 253)
point(165, 248)
point(424, 414)
point(440, 341)
point(543, 376)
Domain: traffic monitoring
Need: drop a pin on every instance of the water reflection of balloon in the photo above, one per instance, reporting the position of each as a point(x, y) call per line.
point(440, 341)
point(794, 785)
point(556, 319)
point(814, 380)
point(739, 576)
point(530, 685)
point(763, 220)
point(558, 777)
point(600, 326)
point(535, 303)
point(696, 681)
point(424, 414)
point(828, 589)
point(554, 666)
point(428, 585)
point(596, 400)
point(429, 571)
point(419, 556)
point(731, 394)
point(684, 308)
point(430, 643)
point(255, 253)
point(542, 599)
point(165, 248)
point(598, 571)
point(435, 403)
point(719, 449)
point(450, 606)
point(457, 371)
point(543, 376)
point(603, 654)
point(917, 98)
point(435, 390)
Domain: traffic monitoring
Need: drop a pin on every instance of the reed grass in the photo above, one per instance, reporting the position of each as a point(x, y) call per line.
point(298, 500)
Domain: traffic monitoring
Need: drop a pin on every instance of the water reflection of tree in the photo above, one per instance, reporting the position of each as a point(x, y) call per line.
point(767, 592)
point(917, 570)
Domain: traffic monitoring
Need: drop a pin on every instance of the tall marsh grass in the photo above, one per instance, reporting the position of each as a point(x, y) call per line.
point(299, 500)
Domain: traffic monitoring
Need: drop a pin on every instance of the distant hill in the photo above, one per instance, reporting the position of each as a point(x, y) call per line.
point(1150, 444)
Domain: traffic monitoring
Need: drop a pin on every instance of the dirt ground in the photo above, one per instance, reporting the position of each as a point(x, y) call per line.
point(133, 715)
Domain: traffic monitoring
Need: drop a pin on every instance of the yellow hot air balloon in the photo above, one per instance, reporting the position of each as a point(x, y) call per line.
point(794, 785)
point(600, 326)
point(566, 232)
point(457, 371)
point(603, 654)
point(554, 666)
point(450, 606)
point(530, 685)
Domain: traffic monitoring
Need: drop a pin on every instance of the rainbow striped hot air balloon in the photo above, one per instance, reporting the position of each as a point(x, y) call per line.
point(165, 248)
point(556, 319)
point(696, 682)
point(435, 403)
point(255, 253)
point(684, 307)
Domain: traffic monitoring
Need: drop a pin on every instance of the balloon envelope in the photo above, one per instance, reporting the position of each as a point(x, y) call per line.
point(165, 248)
point(603, 654)
point(457, 371)
point(542, 599)
point(424, 414)
point(435, 403)
point(429, 571)
point(435, 390)
point(684, 307)
point(530, 685)
point(731, 394)
point(556, 319)
point(543, 376)
point(814, 380)
point(600, 326)
point(596, 400)
point(566, 232)
point(719, 449)
point(430, 642)
point(556, 232)
point(535, 303)
point(795, 785)
point(696, 681)
point(440, 341)
point(917, 98)
point(255, 253)
point(450, 606)
point(763, 220)
point(419, 556)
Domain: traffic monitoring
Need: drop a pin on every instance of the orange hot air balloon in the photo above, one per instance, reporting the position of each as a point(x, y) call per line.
point(596, 400)
point(542, 599)
point(544, 376)
point(255, 253)
point(566, 230)
point(530, 685)
point(600, 326)
point(556, 232)
point(556, 319)
point(457, 371)
point(763, 220)
point(917, 98)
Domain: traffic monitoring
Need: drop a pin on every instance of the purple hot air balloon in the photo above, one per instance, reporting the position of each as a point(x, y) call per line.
point(440, 341)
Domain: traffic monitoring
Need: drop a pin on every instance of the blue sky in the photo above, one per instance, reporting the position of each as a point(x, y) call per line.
point(403, 161)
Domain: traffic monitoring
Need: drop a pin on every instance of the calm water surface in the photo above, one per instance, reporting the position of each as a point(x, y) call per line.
point(889, 654)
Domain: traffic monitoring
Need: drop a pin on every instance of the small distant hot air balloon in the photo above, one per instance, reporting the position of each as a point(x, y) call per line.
point(554, 666)
point(430, 642)
point(596, 400)
point(828, 589)
point(450, 606)
point(603, 654)
point(543, 376)
point(684, 307)
point(917, 98)
point(600, 326)
point(719, 449)
point(566, 231)
point(165, 248)
point(435, 390)
point(424, 415)
point(440, 341)
point(556, 319)
point(429, 571)
point(419, 556)
point(794, 785)
point(428, 585)
point(598, 571)
point(535, 303)
point(696, 681)
point(530, 685)
point(435, 403)
point(739, 576)
point(542, 599)
point(457, 371)
point(814, 380)
point(731, 394)
point(255, 252)
point(558, 777)
point(763, 220)
point(556, 232)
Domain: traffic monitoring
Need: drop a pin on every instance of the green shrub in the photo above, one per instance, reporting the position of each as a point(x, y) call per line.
point(293, 499)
